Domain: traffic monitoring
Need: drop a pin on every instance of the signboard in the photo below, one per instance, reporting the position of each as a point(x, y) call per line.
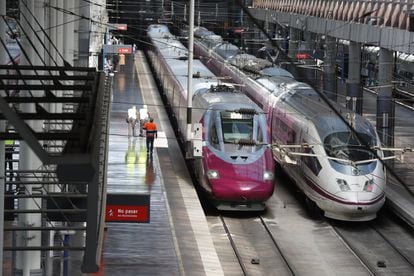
point(121, 27)
point(118, 49)
point(118, 26)
point(302, 56)
point(238, 30)
point(124, 50)
point(128, 208)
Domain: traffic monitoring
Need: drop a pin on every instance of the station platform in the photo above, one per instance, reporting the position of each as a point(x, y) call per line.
point(400, 196)
point(177, 240)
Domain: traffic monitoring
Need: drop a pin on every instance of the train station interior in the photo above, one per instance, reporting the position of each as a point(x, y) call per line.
point(83, 193)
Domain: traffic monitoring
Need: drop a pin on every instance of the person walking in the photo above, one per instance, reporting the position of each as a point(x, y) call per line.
point(143, 118)
point(132, 119)
point(151, 133)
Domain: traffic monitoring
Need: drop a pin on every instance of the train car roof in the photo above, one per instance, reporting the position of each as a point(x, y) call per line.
point(175, 54)
point(276, 71)
point(228, 100)
point(305, 101)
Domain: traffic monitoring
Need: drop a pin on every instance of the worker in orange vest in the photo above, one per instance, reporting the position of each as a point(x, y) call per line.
point(151, 133)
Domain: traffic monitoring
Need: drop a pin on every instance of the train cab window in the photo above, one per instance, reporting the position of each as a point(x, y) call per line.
point(236, 126)
point(291, 137)
point(345, 145)
point(284, 132)
point(312, 162)
point(236, 129)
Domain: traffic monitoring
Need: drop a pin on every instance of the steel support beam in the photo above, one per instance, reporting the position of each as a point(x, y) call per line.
point(385, 103)
point(389, 38)
point(23, 129)
point(294, 39)
point(329, 68)
point(2, 129)
point(354, 89)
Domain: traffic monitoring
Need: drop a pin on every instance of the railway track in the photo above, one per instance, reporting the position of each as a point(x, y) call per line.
point(382, 247)
point(286, 241)
point(265, 257)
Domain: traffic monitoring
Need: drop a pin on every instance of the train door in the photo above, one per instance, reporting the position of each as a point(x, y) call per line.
point(282, 133)
point(269, 119)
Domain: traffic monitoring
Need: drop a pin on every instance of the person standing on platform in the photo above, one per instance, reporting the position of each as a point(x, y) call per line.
point(143, 118)
point(134, 50)
point(115, 61)
point(133, 117)
point(151, 133)
point(121, 62)
point(8, 162)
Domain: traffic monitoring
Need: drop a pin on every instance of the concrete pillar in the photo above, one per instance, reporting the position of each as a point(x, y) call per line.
point(277, 33)
point(59, 31)
point(84, 35)
point(29, 262)
point(329, 68)
point(51, 59)
point(385, 104)
point(308, 46)
point(2, 128)
point(69, 33)
point(74, 258)
point(354, 93)
point(59, 43)
point(294, 39)
point(52, 32)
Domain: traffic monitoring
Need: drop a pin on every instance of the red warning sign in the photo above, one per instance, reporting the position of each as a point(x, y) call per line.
point(128, 208)
point(125, 50)
point(302, 56)
point(121, 27)
point(126, 213)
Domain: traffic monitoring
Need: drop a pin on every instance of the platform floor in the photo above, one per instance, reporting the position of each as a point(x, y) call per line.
point(399, 192)
point(177, 240)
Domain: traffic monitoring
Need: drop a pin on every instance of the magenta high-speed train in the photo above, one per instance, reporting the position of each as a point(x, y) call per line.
point(338, 169)
point(236, 168)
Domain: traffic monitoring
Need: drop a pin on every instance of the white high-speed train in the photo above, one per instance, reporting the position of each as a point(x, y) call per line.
point(339, 170)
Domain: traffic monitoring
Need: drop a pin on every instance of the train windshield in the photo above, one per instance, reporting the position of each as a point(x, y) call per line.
point(240, 127)
point(345, 146)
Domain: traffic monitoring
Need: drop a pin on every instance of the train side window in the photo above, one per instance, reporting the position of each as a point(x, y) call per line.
point(283, 126)
point(312, 162)
point(291, 137)
point(214, 137)
point(260, 135)
point(285, 133)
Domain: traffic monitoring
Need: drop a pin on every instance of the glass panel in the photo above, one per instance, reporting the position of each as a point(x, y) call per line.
point(312, 162)
point(236, 129)
point(345, 145)
point(214, 138)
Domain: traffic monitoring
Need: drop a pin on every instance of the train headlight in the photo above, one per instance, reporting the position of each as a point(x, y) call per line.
point(268, 175)
point(212, 174)
point(343, 185)
point(369, 185)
